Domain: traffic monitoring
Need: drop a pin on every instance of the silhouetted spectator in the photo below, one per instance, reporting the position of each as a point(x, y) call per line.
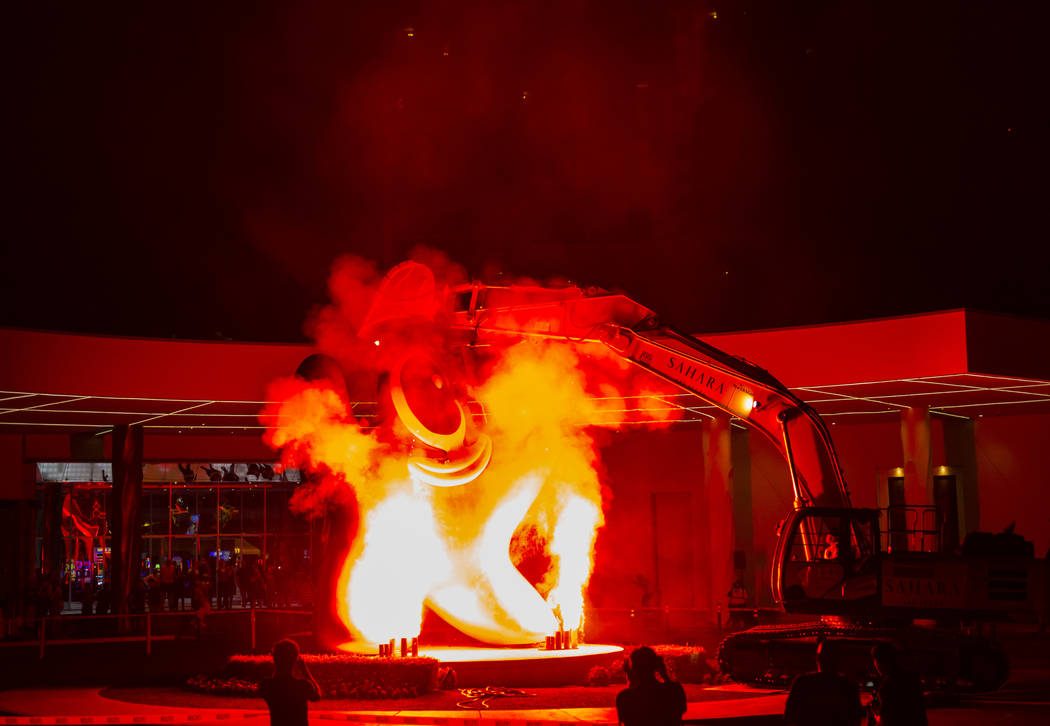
point(244, 578)
point(55, 598)
point(257, 585)
point(648, 700)
point(203, 574)
point(104, 597)
point(898, 697)
point(285, 694)
point(224, 585)
point(270, 584)
point(1044, 614)
point(201, 602)
point(168, 584)
point(824, 698)
point(642, 582)
point(154, 593)
point(283, 586)
point(137, 597)
point(739, 615)
point(87, 597)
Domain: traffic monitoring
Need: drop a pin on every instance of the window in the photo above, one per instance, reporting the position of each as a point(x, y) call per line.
point(186, 513)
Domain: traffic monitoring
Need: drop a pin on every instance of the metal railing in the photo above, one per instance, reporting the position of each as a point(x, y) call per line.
point(672, 624)
point(146, 628)
point(915, 528)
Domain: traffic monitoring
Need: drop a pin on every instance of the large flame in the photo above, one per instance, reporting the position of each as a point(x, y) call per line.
point(449, 487)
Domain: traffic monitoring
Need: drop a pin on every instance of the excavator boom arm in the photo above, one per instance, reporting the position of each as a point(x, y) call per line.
point(751, 395)
point(731, 384)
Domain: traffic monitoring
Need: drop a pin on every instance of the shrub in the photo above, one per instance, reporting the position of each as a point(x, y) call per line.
point(223, 686)
point(446, 679)
point(606, 675)
point(338, 675)
point(686, 664)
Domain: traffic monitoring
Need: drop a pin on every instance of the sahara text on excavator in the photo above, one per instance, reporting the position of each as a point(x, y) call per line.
point(832, 561)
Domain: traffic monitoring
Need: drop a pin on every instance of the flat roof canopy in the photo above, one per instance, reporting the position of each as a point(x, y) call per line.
point(958, 363)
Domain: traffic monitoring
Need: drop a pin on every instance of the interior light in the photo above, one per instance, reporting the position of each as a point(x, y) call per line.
point(376, 342)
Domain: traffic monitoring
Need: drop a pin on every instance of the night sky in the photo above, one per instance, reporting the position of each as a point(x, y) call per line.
point(193, 171)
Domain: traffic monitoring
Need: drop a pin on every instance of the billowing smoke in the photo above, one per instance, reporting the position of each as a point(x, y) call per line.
point(466, 462)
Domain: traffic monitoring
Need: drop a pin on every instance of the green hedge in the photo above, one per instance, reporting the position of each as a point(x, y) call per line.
point(338, 675)
point(686, 664)
point(220, 686)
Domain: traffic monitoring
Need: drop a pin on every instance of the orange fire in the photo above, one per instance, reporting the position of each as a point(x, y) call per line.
point(462, 475)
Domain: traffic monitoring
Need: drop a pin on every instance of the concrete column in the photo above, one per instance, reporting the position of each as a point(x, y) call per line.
point(18, 518)
point(126, 521)
point(918, 456)
point(918, 476)
point(960, 453)
point(330, 539)
point(718, 478)
point(743, 513)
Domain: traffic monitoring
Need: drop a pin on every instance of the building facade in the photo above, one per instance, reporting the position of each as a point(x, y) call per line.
point(948, 411)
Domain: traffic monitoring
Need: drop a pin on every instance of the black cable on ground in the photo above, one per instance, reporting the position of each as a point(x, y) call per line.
point(480, 697)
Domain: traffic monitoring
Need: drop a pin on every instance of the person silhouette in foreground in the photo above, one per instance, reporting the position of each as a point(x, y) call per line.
point(648, 700)
point(285, 694)
point(825, 697)
point(898, 698)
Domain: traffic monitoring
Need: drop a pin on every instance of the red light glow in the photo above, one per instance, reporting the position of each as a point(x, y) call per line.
point(450, 502)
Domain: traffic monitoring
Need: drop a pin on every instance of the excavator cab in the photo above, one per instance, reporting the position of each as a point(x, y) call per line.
point(827, 560)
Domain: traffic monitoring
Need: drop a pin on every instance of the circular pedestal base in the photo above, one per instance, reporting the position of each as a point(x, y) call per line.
point(523, 667)
point(517, 667)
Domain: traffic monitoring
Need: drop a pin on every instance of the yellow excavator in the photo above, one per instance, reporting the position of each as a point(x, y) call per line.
point(830, 561)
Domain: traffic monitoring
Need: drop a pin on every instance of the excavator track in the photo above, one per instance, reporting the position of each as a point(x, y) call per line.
point(772, 655)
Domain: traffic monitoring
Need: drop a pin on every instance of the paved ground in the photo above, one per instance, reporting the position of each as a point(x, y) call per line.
point(561, 698)
point(1023, 701)
point(73, 704)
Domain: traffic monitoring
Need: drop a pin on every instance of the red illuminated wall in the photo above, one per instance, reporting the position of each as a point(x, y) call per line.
point(111, 366)
point(1013, 472)
point(1007, 345)
point(218, 448)
point(651, 473)
point(47, 446)
point(1013, 462)
point(638, 466)
point(864, 451)
point(868, 450)
point(12, 484)
point(868, 350)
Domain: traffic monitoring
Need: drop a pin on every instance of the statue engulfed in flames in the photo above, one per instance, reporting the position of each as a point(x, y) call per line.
point(459, 470)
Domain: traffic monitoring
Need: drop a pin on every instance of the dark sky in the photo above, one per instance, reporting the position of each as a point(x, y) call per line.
point(192, 171)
